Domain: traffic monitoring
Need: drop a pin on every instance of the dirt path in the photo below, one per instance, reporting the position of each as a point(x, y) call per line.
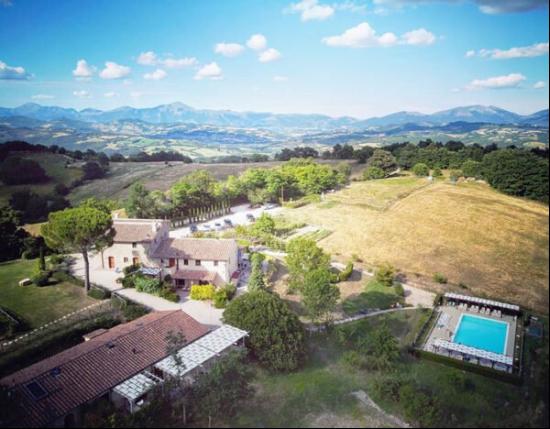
point(365, 399)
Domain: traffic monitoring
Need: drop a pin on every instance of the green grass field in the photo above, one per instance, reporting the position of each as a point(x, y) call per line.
point(319, 395)
point(375, 295)
point(56, 169)
point(34, 305)
point(494, 244)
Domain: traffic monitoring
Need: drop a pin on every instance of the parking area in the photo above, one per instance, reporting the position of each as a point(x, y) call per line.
point(240, 215)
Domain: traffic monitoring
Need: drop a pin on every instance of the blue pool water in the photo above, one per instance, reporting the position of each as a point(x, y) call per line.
point(482, 333)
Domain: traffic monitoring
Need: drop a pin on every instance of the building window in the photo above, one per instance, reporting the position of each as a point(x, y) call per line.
point(186, 262)
point(125, 260)
point(134, 245)
point(215, 263)
point(197, 262)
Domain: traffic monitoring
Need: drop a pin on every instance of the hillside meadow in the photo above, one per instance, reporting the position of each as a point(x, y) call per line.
point(488, 243)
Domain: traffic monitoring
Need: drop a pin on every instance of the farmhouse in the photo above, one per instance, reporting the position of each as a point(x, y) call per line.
point(122, 364)
point(187, 260)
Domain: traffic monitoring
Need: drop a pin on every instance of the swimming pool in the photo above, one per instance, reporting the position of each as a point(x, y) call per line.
point(482, 333)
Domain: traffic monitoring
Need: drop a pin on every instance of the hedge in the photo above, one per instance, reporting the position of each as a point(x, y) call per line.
point(477, 369)
point(202, 292)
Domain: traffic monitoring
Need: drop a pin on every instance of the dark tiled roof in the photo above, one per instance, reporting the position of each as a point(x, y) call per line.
point(90, 369)
point(207, 249)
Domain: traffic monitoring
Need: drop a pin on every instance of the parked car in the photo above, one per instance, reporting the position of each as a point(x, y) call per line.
point(207, 228)
point(218, 226)
point(250, 217)
point(193, 228)
point(270, 206)
point(228, 222)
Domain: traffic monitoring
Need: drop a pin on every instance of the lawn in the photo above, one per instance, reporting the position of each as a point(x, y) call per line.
point(319, 395)
point(34, 305)
point(374, 296)
point(494, 244)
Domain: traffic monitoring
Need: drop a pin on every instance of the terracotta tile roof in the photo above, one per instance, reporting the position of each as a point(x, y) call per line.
point(207, 249)
point(135, 231)
point(90, 369)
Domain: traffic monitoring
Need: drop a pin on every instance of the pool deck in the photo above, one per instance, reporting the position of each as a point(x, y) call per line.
point(447, 331)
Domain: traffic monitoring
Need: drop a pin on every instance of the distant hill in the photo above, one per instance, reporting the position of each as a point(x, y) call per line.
point(176, 113)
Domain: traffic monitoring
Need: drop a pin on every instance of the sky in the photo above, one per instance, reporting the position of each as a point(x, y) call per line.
point(358, 58)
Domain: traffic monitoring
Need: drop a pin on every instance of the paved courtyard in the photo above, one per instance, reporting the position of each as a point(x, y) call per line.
point(204, 312)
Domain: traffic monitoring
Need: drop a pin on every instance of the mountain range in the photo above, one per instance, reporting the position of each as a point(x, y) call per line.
point(177, 113)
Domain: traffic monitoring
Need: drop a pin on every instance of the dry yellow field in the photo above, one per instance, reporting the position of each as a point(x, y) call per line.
point(494, 244)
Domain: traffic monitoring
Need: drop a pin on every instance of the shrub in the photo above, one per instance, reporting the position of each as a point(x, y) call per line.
point(385, 274)
point(41, 278)
point(440, 278)
point(202, 292)
point(353, 359)
point(388, 388)
point(276, 334)
point(99, 293)
point(346, 273)
point(133, 311)
point(57, 259)
point(147, 285)
point(421, 170)
point(437, 172)
point(131, 269)
point(231, 290)
point(373, 173)
point(169, 294)
point(418, 406)
point(471, 169)
point(454, 175)
point(220, 298)
point(399, 291)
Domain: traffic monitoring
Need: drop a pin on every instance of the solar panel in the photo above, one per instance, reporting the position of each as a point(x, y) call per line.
point(36, 390)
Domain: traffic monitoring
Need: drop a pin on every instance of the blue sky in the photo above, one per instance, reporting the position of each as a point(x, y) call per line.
point(343, 57)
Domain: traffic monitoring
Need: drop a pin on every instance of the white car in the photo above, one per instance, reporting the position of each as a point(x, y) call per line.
point(206, 228)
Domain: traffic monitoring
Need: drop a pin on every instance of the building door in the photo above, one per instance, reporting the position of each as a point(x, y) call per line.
point(135, 260)
point(111, 262)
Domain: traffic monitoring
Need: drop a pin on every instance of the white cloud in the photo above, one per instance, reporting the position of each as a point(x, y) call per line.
point(13, 73)
point(257, 42)
point(311, 10)
point(113, 70)
point(534, 50)
point(512, 80)
point(178, 63)
point(110, 94)
point(135, 94)
point(42, 97)
point(418, 37)
point(280, 79)
point(269, 55)
point(229, 49)
point(158, 74)
point(469, 54)
point(486, 6)
point(364, 36)
point(209, 71)
point(148, 58)
point(83, 70)
point(82, 94)
point(540, 84)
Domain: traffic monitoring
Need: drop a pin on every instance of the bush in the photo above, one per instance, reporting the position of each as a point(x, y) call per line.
point(202, 292)
point(99, 293)
point(471, 169)
point(385, 274)
point(454, 175)
point(346, 273)
point(231, 290)
point(276, 336)
point(437, 172)
point(133, 311)
point(131, 269)
point(373, 173)
point(169, 294)
point(421, 170)
point(41, 278)
point(147, 285)
point(353, 359)
point(440, 278)
point(418, 406)
point(57, 259)
point(220, 298)
point(399, 291)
